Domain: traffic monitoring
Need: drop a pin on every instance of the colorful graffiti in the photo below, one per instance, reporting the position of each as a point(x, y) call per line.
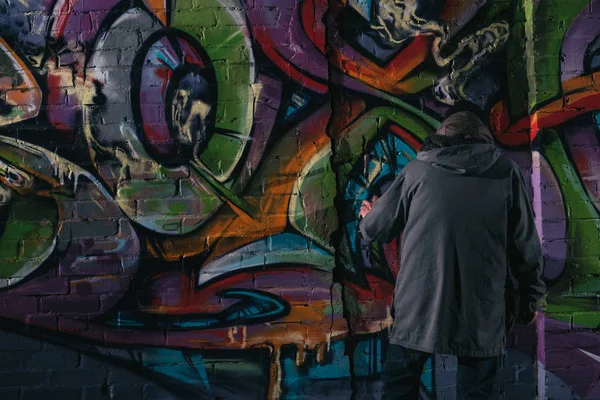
point(180, 180)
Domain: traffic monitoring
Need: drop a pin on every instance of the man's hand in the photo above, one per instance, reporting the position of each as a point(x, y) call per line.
point(366, 207)
point(527, 319)
point(535, 314)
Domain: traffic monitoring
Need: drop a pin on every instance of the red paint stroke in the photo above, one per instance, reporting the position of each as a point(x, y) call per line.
point(406, 137)
point(580, 100)
point(269, 48)
point(411, 56)
point(61, 13)
point(311, 13)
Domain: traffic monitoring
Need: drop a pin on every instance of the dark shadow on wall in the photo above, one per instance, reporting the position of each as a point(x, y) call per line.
point(53, 366)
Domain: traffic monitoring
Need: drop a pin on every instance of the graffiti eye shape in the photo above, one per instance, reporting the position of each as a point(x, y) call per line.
point(13, 177)
point(172, 67)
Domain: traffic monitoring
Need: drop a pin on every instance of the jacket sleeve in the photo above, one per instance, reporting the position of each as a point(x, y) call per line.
point(387, 217)
point(524, 247)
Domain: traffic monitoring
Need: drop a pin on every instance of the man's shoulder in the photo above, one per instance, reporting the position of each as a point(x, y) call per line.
point(517, 169)
point(413, 168)
point(508, 163)
point(415, 164)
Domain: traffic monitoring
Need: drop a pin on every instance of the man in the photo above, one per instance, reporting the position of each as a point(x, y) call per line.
point(463, 209)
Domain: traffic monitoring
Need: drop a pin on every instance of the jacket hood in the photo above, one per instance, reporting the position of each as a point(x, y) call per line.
point(465, 124)
point(471, 159)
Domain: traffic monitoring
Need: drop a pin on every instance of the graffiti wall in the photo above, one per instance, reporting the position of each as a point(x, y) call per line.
point(180, 183)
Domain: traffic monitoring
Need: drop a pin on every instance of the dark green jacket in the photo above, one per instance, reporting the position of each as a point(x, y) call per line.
point(465, 216)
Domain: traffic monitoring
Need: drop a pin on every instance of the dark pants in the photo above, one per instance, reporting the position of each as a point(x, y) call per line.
point(401, 375)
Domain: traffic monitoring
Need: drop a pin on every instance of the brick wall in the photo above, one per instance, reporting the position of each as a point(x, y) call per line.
point(179, 185)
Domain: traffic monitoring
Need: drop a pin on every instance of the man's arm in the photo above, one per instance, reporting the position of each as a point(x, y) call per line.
point(524, 250)
point(386, 219)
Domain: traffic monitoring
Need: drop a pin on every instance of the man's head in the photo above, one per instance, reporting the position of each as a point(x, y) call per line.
point(466, 120)
point(464, 105)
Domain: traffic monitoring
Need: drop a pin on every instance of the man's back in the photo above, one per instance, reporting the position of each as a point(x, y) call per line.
point(465, 217)
point(449, 296)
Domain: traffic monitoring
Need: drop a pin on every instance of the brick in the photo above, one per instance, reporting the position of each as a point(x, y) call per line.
point(521, 391)
point(50, 359)
point(554, 230)
point(12, 342)
point(155, 392)
point(72, 322)
point(445, 378)
point(128, 391)
point(107, 57)
point(91, 363)
point(20, 305)
point(126, 376)
point(527, 375)
point(70, 304)
point(97, 285)
point(54, 393)
point(21, 378)
point(448, 362)
point(561, 358)
point(11, 360)
point(90, 265)
point(10, 394)
point(183, 206)
point(560, 392)
point(97, 228)
point(98, 392)
point(77, 377)
point(44, 286)
point(577, 375)
point(591, 320)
